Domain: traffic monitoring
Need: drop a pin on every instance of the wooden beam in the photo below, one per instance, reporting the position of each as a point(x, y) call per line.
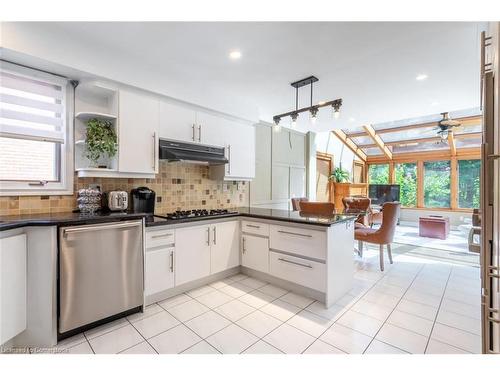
point(453, 183)
point(464, 121)
point(423, 140)
point(350, 144)
point(392, 176)
point(420, 183)
point(451, 143)
point(378, 141)
point(462, 153)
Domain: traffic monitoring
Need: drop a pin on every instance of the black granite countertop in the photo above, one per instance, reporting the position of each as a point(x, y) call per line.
point(67, 218)
point(76, 218)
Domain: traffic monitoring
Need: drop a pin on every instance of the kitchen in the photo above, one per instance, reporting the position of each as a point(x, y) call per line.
point(151, 210)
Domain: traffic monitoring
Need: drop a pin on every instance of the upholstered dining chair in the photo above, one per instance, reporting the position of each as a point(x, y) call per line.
point(296, 203)
point(353, 205)
point(384, 235)
point(317, 208)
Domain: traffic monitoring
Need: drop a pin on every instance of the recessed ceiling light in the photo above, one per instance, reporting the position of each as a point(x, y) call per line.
point(235, 55)
point(421, 77)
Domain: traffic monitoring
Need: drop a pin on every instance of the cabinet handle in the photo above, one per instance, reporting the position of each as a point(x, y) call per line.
point(192, 127)
point(253, 226)
point(215, 235)
point(244, 249)
point(162, 235)
point(154, 151)
point(296, 263)
point(295, 234)
point(208, 236)
point(229, 159)
point(171, 261)
point(199, 133)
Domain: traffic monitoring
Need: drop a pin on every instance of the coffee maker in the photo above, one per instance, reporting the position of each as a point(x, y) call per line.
point(143, 200)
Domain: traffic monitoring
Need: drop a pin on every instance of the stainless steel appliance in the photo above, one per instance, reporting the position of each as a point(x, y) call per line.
point(143, 200)
point(116, 200)
point(192, 153)
point(490, 191)
point(100, 272)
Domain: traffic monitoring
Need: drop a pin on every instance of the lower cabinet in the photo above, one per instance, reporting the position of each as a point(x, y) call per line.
point(159, 274)
point(13, 286)
point(225, 246)
point(255, 253)
point(298, 270)
point(192, 260)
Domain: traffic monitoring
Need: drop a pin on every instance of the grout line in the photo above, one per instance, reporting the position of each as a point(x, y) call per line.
point(388, 316)
point(438, 310)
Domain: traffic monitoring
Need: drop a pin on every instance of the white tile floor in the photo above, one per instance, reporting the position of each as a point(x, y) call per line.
point(415, 306)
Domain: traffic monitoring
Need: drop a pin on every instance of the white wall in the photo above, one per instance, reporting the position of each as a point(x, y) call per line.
point(329, 143)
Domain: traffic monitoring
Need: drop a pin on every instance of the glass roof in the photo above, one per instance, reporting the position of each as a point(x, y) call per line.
point(409, 138)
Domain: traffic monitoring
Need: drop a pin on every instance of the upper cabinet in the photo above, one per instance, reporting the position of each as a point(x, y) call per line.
point(139, 119)
point(178, 123)
point(289, 148)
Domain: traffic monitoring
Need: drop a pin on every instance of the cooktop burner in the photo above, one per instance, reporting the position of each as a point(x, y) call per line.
point(178, 215)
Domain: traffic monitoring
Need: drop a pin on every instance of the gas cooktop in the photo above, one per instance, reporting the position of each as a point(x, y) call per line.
point(193, 214)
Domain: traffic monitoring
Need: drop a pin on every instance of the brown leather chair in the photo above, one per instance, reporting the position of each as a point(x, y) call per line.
point(353, 205)
point(317, 208)
point(296, 203)
point(383, 235)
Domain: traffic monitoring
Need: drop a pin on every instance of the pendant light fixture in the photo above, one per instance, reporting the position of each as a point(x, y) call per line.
point(312, 109)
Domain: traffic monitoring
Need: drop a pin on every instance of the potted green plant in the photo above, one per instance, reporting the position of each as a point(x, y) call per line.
point(100, 141)
point(339, 175)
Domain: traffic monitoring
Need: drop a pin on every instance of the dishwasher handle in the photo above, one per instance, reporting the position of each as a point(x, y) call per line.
point(90, 228)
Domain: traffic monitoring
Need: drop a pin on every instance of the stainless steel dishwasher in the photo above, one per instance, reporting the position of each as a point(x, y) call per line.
point(100, 272)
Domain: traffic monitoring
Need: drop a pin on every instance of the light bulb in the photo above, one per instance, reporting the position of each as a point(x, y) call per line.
point(294, 119)
point(336, 113)
point(277, 128)
point(314, 114)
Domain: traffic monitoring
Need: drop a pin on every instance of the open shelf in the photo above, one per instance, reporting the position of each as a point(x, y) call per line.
point(85, 116)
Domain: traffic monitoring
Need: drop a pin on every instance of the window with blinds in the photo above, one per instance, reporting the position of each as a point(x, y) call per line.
point(32, 125)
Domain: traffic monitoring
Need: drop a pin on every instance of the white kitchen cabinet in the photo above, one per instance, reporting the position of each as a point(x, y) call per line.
point(159, 272)
point(297, 182)
point(13, 290)
point(260, 187)
point(139, 117)
point(225, 246)
point(255, 253)
point(192, 260)
point(178, 123)
point(280, 182)
point(297, 150)
point(213, 130)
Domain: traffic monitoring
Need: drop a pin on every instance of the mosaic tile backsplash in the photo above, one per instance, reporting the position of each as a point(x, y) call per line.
point(177, 186)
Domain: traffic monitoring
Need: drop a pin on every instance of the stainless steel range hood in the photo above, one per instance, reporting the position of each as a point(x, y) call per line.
point(191, 153)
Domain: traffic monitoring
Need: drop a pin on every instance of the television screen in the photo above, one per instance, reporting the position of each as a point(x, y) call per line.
point(379, 194)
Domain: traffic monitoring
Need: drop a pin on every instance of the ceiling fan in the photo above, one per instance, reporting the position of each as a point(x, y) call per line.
point(445, 125)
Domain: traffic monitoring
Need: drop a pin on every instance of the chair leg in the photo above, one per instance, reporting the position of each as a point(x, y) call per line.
point(381, 257)
point(389, 252)
point(360, 249)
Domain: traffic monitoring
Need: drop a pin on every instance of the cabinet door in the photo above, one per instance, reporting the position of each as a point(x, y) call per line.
point(297, 151)
point(260, 187)
point(212, 130)
point(159, 271)
point(280, 182)
point(192, 260)
point(241, 152)
point(138, 133)
point(281, 147)
point(178, 123)
point(13, 281)
point(255, 253)
point(225, 246)
point(297, 182)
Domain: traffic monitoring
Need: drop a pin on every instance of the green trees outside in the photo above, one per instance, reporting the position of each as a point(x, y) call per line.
point(378, 174)
point(437, 180)
point(468, 183)
point(406, 178)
